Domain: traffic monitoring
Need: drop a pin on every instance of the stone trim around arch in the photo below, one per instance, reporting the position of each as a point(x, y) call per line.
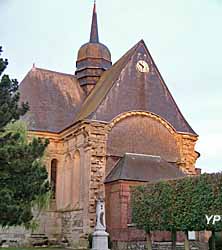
point(142, 113)
point(185, 141)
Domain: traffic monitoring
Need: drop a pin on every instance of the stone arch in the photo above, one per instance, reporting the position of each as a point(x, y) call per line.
point(122, 116)
point(76, 178)
point(53, 176)
point(143, 133)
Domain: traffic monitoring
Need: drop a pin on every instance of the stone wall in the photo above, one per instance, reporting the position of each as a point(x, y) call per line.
point(49, 226)
point(89, 139)
point(141, 245)
point(97, 139)
point(188, 153)
point(14, 236)
point(72, 226)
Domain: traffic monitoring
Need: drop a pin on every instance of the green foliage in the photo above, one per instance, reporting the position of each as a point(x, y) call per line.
point(192, 201)
point(17, 127)
point(9, 97)
point(90, 239)
point(179, 205)
point(152, 208)
point(215, 181)
point(23, 177)
point(218, 241)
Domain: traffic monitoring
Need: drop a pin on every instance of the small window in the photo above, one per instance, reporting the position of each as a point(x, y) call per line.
point(191, 235)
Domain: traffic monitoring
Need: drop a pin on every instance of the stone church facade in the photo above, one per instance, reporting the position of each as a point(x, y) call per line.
point(110, 127)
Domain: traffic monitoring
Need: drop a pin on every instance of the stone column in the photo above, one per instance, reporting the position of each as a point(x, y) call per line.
point(188, 154)
point(97, 137)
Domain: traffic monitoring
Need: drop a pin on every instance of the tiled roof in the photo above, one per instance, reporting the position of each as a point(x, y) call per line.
point(122, 88)
point(54, 99)
point(57, 101)
point(146, 168)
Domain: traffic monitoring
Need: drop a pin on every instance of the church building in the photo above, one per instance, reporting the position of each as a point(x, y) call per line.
point(110, 127)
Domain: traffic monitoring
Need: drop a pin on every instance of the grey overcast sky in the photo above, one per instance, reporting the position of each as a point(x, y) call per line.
point(183, 36)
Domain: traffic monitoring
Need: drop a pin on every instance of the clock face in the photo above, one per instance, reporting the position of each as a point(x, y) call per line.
point(142, 66)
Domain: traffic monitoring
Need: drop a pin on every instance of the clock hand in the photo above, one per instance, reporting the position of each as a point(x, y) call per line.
point(141, 65)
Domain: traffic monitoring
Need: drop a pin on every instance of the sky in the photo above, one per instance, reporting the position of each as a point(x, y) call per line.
point(183, 36)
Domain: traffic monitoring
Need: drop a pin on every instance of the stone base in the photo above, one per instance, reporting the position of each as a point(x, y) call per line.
point(100, 240)
point(38, 240)
point(141, 245)
point(63, 228)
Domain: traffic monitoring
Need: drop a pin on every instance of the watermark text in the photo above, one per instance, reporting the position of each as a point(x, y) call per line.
point(212, 219)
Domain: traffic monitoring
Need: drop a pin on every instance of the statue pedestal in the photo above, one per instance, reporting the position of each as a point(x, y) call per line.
point(100, 240)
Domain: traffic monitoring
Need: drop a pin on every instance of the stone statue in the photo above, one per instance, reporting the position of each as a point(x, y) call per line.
point(100, 215)
point(100, 236)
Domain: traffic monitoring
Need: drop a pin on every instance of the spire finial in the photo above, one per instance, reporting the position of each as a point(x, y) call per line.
point(33, 67)
point(94, 8)
point(94, 35)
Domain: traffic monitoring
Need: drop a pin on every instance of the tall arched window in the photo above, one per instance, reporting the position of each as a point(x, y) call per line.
point(53, 177)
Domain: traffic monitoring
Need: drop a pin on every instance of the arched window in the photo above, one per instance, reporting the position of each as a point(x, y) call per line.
point(53, 177)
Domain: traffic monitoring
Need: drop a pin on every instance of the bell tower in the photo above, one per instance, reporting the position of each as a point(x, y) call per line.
point(93, 58)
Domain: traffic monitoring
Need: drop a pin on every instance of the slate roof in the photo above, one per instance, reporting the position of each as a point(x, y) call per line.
point(57, 101)
point(54, 99)
point(146, 168)
point(122, 88)
point(103, 86)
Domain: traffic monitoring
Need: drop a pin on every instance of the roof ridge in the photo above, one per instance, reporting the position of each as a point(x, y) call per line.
point(114, 168)
point(137, 154)
point(51, 71)
point(123, 159)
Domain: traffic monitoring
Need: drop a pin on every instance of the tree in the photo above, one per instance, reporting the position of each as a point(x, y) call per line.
point(152, 209)
point(179, 205)
point(197, 197)
point(215, 208)
point(144, 207)
point(192, 201)
point(23, 177)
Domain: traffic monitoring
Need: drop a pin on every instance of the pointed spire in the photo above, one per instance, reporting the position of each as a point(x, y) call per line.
point(94, 35)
